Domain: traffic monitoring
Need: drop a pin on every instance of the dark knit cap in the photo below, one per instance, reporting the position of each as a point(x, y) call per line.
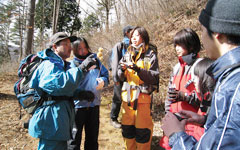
point(222, 16)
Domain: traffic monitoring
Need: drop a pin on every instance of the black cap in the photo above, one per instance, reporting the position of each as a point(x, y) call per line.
point(127, 29)
point(222, 16)
point(59, 36)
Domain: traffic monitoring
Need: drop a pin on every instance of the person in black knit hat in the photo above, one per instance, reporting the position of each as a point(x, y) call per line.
point(220, 22)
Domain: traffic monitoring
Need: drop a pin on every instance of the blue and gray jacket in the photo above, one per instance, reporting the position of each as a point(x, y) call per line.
point(89, 83)
point(54, 120)
point(222, 128)
point(118, 52)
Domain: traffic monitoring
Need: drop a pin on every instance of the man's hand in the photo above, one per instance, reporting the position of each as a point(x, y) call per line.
point(123, 66)
point(193, 117)
point(100, 84)
point(171, 124)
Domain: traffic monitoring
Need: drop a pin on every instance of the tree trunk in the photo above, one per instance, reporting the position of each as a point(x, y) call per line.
point(28, 40)
point(107, 17)
point(42, 26)
point(118, 13)
point(20, 31)
point(55, 15)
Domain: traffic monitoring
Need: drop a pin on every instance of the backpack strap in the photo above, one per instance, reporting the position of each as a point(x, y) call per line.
point(123, 48)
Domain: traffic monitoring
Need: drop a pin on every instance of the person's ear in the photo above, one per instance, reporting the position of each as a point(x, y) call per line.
point(54, 46)
point(220, 37)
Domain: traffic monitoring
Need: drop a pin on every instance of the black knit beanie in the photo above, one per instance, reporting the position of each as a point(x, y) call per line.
point(222, 16)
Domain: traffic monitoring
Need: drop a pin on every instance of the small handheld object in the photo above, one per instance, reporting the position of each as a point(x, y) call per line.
point(179, 117)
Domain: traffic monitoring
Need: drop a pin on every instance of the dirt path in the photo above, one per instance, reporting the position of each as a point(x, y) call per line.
point(14, 137)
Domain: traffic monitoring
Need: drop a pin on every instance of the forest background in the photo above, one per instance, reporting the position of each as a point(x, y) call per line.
point(26, 25)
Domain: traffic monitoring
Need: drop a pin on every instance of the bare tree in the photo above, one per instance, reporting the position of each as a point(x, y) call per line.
point(21, 11)
point(28, 39)
point(118, 13)
point(55, 15)
point(107, 5)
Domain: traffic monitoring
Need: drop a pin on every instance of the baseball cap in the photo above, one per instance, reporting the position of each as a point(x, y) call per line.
point(126, 29)
point(59, 36)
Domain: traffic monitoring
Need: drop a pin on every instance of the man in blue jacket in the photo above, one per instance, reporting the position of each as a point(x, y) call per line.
point(221, 38)
point(56, 82)
point(118, 52)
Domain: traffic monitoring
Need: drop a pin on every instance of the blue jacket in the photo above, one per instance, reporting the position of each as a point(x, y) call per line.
point(222, 128)
point(89, 83)
point(54, 119)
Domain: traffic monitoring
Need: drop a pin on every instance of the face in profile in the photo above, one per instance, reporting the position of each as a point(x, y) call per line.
point(64, 49)
point(136, 38)
point(208, 44)
point(181, 51)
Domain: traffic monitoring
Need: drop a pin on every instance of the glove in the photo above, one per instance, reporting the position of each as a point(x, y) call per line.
point(175, 95)
point(86, 95)
point(134, 67)
point(88, 63)
point(100, 84)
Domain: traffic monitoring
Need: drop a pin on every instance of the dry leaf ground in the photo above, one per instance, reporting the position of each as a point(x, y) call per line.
point(14, 137)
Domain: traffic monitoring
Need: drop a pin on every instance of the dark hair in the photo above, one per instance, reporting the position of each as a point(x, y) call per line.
point(127, 29)
point(78, 41)
point(206, 82)
point(143, 33)
point(188, 39)
point(232, 39)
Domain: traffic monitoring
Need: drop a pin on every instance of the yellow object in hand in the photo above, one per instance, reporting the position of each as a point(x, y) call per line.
point(100, 54)
point(100, 49)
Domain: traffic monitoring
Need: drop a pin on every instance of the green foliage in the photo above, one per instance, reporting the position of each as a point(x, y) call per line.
point(69, 16)
point(90, 22)
point(43, 15)
point(6, 13)
point(68, 19)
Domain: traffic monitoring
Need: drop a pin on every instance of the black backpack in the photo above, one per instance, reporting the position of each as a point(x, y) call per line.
point(27, 97)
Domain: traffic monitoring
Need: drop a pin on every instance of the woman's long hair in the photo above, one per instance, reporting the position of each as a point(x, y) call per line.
point(206, 82)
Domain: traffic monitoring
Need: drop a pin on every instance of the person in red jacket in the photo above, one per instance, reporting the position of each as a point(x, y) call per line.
point(181, 91)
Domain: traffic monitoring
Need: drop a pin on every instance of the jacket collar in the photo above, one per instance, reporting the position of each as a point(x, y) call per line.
point(188, 59)
point(126, 40)
point(48, 54)
point(225, 62)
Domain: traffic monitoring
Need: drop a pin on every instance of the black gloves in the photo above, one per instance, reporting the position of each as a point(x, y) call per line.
point(88, 63)
point(134, 67)
point(175, 95)
point(86, 95)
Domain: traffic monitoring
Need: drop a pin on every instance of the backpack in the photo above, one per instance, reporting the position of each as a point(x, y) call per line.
point(28, 98)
